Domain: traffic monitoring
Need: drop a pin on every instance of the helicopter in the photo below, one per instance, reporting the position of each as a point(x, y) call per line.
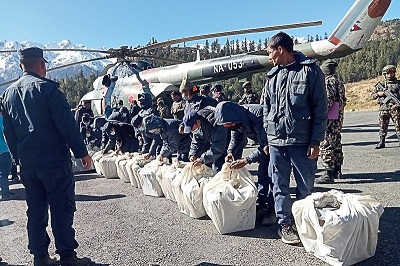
point(125, 79)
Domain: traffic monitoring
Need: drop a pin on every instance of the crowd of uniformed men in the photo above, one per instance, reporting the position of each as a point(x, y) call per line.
point(298, 118)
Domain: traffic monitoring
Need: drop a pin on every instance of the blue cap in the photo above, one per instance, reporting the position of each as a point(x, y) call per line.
point(31, 52)
point(136, 120)
point(189, 120)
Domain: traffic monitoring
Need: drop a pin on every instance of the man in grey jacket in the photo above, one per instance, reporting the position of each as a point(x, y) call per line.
point(295, 115)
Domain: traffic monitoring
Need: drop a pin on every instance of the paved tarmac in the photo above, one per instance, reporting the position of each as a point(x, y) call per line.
point(117, 225)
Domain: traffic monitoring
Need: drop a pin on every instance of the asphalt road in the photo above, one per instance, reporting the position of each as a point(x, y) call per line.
point(117, 225)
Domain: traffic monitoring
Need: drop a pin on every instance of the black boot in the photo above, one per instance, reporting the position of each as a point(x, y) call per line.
point(75, 261)
point(326, 178)
point(337, 172)
point(381, 143)
point(44, 261)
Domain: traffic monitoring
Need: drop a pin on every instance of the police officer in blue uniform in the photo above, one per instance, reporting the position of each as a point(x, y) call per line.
point(40, 131)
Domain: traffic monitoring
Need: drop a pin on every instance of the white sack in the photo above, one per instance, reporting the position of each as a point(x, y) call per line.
point(108, 167)
point(96, 158)
point(189, 196)
point(120, 163)
point(338, 236)
point(150, 185)
point(229, 199)
point(166, 174)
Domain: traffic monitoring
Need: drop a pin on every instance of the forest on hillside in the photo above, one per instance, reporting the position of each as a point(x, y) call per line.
point(381, 50)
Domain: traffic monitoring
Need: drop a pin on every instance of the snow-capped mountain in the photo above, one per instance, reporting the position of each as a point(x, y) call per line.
point(9, 62)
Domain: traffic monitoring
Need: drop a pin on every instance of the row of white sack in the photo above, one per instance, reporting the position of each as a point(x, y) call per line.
point(228, 197)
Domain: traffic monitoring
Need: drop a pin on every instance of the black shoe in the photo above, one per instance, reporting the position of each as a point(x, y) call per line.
point(45, 261)
point(288, 235)
point(381, 143)
point(75, 261)
point(326, 178)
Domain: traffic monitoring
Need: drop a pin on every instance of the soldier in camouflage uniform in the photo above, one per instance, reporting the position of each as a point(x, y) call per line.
point(178, 106)
point(163, 109)
point(331, 147)
point(389, 107)
point(249, 97)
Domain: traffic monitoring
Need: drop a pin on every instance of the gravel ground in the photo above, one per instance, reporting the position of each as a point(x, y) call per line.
point(117, 225)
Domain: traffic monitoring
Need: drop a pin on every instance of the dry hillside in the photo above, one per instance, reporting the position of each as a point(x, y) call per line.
point(359, 95)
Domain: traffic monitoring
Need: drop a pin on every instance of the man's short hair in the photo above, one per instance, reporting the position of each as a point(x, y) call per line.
point(281, 39)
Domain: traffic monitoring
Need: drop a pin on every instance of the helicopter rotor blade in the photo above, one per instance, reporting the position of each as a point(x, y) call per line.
point(79, 62)
point(64, 49)
point(58, 67)
point(228, 33)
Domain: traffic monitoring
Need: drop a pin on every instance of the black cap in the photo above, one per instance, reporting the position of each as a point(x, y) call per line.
point(175, 93)
point(31, 52)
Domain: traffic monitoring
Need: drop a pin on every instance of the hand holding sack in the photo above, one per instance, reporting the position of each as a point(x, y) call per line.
point(229, 199)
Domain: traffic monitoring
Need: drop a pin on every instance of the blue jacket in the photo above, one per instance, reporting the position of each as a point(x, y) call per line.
point(250, 116)
point(38, 123)
point(172, 141)
point(151, 142)
point(211, 142)
point(198, 102)
point(295, 104)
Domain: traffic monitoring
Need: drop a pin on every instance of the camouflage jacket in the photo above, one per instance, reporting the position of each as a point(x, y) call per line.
point(335, 92)
point(249, 98)
point(393, 86)
point(177, 109)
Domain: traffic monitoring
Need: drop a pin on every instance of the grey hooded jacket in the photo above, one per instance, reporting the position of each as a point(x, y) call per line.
point(251, 118)
point(172, 141)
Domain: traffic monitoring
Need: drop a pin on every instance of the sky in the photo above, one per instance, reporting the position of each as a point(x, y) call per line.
point(111, 24)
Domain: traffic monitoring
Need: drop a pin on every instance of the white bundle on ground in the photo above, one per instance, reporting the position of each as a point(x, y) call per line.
point(338, 228)
point(96, 158)
point(129, 167)
point(229, 199)
point(150, 185)
point(107, 165)
point(188, 189)
point(120, 163)
point(166, 174)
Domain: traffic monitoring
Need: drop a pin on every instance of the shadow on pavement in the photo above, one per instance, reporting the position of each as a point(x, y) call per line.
point(372, 177)
point(326, 189)
point(6, 222)
point(98, 198)
point(85, 176)
point(212, 264)
point(387, 250)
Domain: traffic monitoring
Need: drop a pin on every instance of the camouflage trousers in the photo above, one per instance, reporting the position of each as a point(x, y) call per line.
point(384, 119)
point(331, 147)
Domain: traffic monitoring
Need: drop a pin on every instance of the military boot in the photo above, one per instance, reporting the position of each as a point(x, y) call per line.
point(381, 143)
point(326, 178)
point(75, 261)
point(44, 261)
point(337, 172)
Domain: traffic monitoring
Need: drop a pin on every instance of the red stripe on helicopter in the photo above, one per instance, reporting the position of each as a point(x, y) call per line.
point(334, 40)
point(355, 28)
